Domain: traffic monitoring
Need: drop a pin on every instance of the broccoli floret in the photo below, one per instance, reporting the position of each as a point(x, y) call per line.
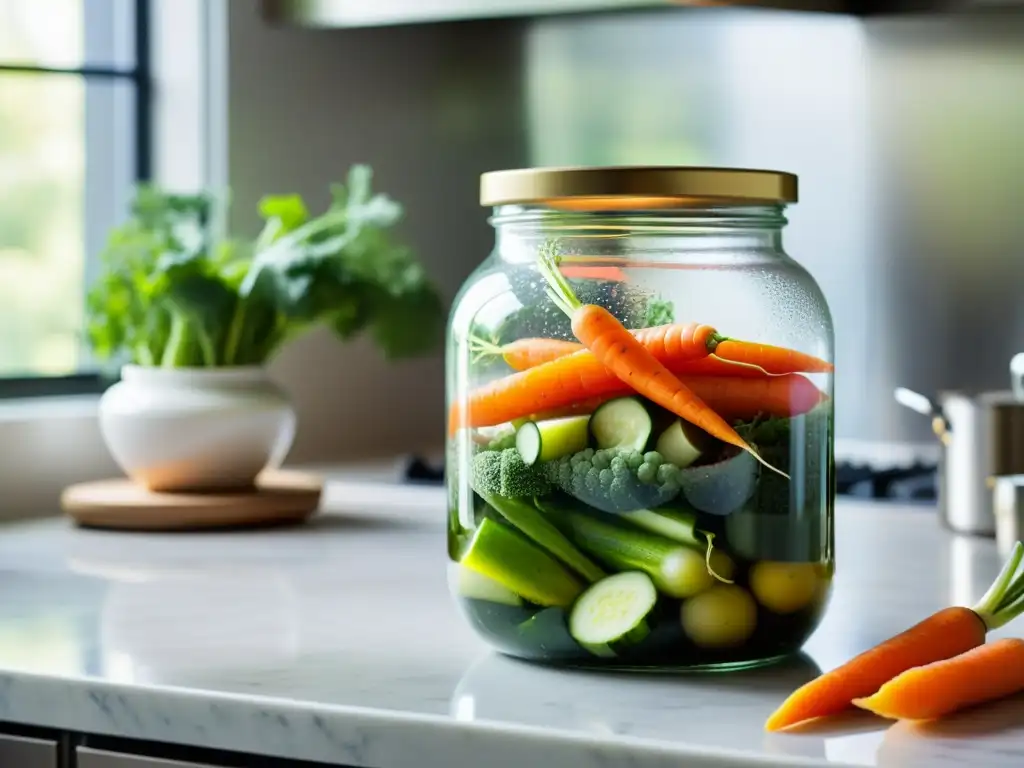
point(616, 480)
point(503, 441)
point(503, 473)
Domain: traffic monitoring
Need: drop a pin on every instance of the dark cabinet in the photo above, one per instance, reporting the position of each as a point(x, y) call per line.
point(24, 752)
point(98, 758)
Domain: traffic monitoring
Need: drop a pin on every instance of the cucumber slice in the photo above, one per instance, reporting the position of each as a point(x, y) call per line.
point(613, 611)
point(621, 423)
point(682, 443)
point(506, 557)
point(471, 584)
point(552, 438)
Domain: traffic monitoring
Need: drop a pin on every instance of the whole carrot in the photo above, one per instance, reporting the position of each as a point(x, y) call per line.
point(942, 635)
point(744, 397)
point(579, 408)
point(526, 353)
point(566, 387)
point(669, 343)
point(672, 345)
point(677, 343)
point(771, 359)
point(731, 397)
point(557, 384)
point(622, 354)
point(990, 671)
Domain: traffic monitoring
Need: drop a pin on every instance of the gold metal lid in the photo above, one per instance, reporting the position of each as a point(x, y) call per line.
point(636, 187)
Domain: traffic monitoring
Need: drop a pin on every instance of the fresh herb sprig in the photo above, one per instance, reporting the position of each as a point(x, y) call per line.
point(170, 295)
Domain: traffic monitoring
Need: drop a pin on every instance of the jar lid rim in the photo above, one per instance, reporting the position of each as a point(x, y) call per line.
point(636, 186)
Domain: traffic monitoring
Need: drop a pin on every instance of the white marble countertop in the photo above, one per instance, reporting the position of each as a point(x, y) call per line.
point(337, 642)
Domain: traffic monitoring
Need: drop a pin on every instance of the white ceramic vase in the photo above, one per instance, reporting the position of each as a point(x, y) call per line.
point(188, 429)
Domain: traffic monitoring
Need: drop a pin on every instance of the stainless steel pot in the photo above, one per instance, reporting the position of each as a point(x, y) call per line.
point(983, 437)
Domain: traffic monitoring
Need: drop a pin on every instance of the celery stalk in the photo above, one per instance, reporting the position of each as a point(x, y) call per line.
point(510, 559)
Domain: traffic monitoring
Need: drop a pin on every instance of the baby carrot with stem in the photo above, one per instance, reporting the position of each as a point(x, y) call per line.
point(988, 672)
point(942, 635)
point(671, 344)
point(620, 352)
point(523, 354)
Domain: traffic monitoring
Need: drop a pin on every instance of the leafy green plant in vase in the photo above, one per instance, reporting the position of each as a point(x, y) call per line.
point(194, 319)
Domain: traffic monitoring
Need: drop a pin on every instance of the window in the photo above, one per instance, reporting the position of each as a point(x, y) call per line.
point(74, 138)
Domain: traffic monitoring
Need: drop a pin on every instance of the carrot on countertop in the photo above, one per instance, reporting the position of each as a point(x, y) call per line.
point(943, 635)
point(988, 672)
point(771, 359)
point(622, 354)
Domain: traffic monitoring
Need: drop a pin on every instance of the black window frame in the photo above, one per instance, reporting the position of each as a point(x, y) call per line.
point(140, 78)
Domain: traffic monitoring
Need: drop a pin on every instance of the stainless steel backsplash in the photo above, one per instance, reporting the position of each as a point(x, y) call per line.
point(907, 133)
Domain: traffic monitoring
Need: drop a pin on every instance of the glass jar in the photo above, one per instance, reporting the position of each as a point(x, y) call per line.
point(592, 522)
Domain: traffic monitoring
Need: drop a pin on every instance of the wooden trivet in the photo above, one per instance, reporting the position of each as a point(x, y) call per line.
point(280, 497)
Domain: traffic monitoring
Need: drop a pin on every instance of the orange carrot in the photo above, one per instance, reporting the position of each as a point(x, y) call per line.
point(678, 342)
point(990, 671)
point(942, 635)
point(579, 408)
point(558, 384)
point(745, 397)
point(577, 384)
point(525, 353)
point(772, 359)
point(622, 354)
point(671, 344)
point(668, 343)
point(713, 365)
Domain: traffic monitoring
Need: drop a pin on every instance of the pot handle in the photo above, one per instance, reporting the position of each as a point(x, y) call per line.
point(919, 403)
point(915, 401)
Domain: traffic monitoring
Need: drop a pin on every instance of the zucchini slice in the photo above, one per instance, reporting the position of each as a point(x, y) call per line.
point(682, 443)
point(552, 438)
point(621, 423)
